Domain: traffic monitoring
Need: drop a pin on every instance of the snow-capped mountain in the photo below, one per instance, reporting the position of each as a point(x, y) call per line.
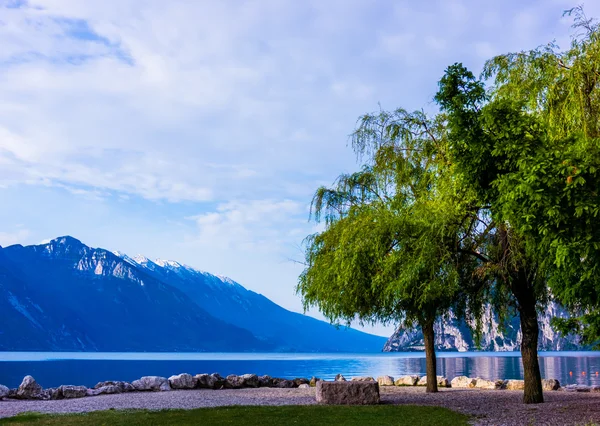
point(65, 295)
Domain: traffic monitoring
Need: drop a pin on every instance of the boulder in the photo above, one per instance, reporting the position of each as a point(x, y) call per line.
point(313, 381)
point(183, 381)
point(593, 389)
point(234, 382)
point(304, 386)
point(151, 383)
point(300, 381)
point(385, 381)
point(347, 393)
point(339, 378)
point(265, 381)
point(205, 381)
point(107, 390)
point(550, 384)
point(285, 384)
point(4, 391)
point(362, 379)
point(123, 386)
point(12, 393)
point(70, 391)
point(54, 393)
point(463, 382)
point(406, 381)
point(488, 384)
point(29, 389)
point(577, 388)
point(442, 382)
point(250, 380)
point(219, 381)
point(515, 384)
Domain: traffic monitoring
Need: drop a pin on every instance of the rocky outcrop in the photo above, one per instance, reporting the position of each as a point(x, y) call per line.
point(30, 389)
point(151, 383)
point(385, 381)
point(347, 393)
point(454, 334)
point(183, 381)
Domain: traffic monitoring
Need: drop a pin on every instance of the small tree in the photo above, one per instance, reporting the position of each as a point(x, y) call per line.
point(388, 251)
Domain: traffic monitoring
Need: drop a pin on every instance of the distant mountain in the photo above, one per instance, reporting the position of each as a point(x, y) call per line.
point(452, 334)
point(65, 295)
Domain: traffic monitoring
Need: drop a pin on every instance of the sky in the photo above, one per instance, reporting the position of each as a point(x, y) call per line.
point(198, 130)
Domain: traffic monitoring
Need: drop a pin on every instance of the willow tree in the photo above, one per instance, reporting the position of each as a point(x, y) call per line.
point(387, 253)
point(552, 197)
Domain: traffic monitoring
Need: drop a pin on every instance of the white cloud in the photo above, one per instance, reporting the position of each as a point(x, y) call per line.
point(16, 236)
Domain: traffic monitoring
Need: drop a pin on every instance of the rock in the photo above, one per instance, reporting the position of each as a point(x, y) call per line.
point(514, 384)
point(250, 380)
point(442, 382)
point(300, 381)
point(463, 382)
point(204, 381)
point(54, 393)
point(4, 391)
point(70, 391)
point(234, 382)
point(593, 389)
point(183, 381)
point(339, 378)
point(93, 392)
point(577, 388)
point(152, 383)
point(362, 379)
point(108, 390)
point(124, 386)
point(313, 381)
point(385, 381)
point(265, 381)
point(550, 384)
point(219, 381)
point(406, 381)
point(285, 384)
point(29, 389)
point(488, 384)
point(12, 393)
point(347, 393)
point(304, 386)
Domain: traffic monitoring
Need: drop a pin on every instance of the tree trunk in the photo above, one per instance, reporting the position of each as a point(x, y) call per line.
point(529, 345)
point(430, 361)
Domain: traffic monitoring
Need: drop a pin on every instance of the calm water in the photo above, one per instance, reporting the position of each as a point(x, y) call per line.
point(55, 368)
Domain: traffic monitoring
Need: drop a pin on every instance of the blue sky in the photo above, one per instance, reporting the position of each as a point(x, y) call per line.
point(199, 130)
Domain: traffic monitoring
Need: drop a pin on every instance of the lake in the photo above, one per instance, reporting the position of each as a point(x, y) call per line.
point(52, 369)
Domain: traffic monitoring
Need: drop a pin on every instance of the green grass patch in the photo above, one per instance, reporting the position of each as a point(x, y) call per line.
point(262, 416)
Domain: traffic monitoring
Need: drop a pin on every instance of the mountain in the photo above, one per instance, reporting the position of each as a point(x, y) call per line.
point(65, 295)
point(452, 334)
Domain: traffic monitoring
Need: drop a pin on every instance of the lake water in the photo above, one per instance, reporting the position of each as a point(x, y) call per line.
point(52, 369)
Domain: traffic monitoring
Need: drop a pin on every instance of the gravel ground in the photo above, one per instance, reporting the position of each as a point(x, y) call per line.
point(488, 407)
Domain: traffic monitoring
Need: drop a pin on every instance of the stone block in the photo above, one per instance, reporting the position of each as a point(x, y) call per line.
point(347, 393)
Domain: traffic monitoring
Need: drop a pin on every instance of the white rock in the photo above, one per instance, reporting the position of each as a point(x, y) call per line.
point(362, 379)
point(463, 382)
point(406, 381)
point(385, 381)
point(29, 389)
point(3, 391)
point(152, 383)
point(515, 384)
point(304, 386)
point(488, 384)
point(69, 391)
point(183, 381)
point(550, 384)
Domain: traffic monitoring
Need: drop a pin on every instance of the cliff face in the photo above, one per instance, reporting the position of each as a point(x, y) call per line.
point(453, 334)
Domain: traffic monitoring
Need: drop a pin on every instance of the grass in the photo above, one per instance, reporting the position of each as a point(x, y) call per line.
point(263, 416)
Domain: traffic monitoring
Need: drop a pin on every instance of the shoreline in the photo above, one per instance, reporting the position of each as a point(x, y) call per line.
point(487, 407)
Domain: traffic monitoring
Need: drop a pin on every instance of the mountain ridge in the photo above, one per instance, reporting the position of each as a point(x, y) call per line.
point(84, 294)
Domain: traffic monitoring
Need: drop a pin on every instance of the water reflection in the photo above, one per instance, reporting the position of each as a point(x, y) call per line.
point(87, 369)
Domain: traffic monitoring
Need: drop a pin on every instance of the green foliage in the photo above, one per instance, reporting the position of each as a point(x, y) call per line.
point(388, 253)
point(256, 415)
point(550, 191)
